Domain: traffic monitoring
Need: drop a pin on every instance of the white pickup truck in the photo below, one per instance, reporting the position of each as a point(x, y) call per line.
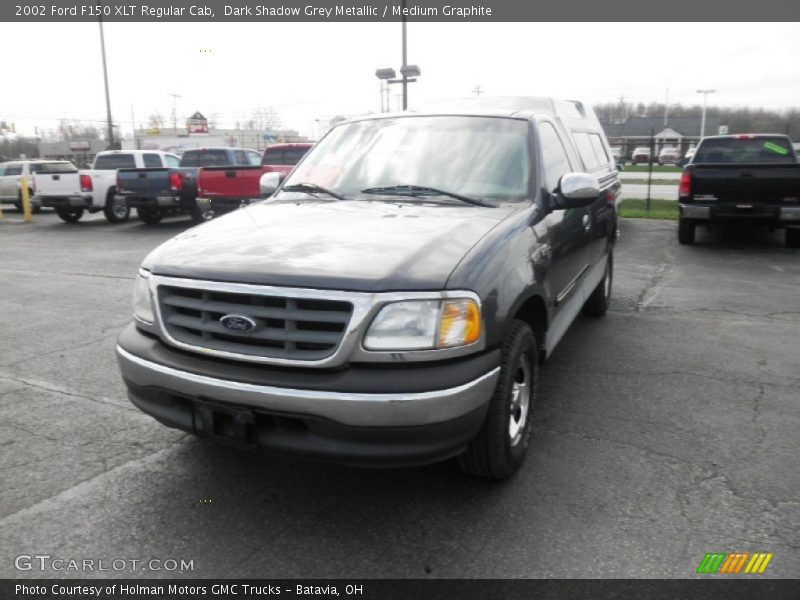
point(12, 172)
point(93, 190)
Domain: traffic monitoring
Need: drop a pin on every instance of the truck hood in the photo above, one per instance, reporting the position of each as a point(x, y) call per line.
point(352, 245)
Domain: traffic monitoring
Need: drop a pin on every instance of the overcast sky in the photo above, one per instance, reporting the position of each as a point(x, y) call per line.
point(311, 71)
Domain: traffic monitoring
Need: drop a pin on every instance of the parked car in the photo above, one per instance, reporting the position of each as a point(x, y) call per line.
point(668, 155)
point(640, 155)
point(92, 190)
point(686, 158)
point(156, 192)
point(745, 179)
point(227, 188)
point(619, 158)
point(392, 302)
point(12, 171)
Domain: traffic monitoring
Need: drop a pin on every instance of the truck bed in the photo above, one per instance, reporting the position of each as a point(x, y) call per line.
point(756, 183)
point(56, 184)
point(148, 182)
point(230, 182)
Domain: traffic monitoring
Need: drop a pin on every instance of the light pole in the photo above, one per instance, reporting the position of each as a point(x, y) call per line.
point(408, 72)
point(175, 111)
point(409, 75)
point(705, 105)
point(105, 79)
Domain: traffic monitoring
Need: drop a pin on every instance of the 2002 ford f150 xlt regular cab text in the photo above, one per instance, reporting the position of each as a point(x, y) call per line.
point(392, 302)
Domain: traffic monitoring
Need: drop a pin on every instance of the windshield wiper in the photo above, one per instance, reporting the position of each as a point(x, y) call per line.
point(311, 188)
point(420, 190)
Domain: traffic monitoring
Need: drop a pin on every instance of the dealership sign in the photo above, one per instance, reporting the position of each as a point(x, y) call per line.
point(197, 123)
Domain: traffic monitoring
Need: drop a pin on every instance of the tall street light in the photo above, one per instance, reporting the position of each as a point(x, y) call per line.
point(409, 75)
point(705, 105)
point(105, 80)
point(409, 72)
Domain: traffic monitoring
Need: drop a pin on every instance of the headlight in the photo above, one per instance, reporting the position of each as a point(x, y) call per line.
point(424, 325)
point(142, 300)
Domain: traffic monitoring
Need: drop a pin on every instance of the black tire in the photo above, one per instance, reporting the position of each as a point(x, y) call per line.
point(35, 208)
point(793, 237)
point(493, 453)
point(149, 215)
point(201, 212)
point(686, 230)
point(70, 214)
point(116, 210)
point(597, 304)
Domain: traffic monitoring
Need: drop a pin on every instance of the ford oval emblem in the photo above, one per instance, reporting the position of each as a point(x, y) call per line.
point(238, 323)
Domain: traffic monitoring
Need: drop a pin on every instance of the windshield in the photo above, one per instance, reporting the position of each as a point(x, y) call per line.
point(473, 156)
point(745, 150)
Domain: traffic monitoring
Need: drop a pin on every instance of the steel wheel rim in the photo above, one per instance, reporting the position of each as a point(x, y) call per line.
point(119, 208)
point(520, 400)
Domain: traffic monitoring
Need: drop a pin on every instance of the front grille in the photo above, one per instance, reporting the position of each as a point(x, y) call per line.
point(286, 327)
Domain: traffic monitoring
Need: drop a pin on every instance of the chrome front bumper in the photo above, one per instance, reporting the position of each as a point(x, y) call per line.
point(348, 408)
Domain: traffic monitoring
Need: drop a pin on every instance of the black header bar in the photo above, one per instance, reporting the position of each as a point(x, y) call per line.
point(392, 10)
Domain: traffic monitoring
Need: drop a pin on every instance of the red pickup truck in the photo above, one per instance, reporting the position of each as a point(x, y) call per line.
point(227, 188)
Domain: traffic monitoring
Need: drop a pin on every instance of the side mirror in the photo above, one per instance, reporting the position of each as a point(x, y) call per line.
point(269, 182)
point(577, 190)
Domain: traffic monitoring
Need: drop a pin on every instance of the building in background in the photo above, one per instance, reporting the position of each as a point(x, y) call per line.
point(178, 141)
point(78, 152)
point(680, 132)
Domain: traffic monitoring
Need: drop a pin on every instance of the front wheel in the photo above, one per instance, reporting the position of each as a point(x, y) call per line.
point(70, 215)
point(116, 209)
point(499, 449)
point(149, 215)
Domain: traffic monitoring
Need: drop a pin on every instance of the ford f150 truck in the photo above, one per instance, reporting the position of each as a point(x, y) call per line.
point(161, 191)
point(12, 172)
point(95, 189)
point(743, 179)
point(227, 188)
point(392, 302)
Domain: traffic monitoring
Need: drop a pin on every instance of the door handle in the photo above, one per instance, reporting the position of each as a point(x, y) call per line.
point(587, 222)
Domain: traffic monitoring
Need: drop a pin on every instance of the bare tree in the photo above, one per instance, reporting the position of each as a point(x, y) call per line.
point(155, 121)
point(264, 118)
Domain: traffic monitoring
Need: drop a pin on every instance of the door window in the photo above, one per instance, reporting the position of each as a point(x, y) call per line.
point(151, 160)
point(554, 156)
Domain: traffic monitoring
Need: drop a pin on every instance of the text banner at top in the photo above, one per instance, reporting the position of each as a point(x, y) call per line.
point(388, 10)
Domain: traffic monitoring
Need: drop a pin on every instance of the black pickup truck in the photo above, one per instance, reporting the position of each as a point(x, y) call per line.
point(751, 179)
point(392, 301)
point(156, 192)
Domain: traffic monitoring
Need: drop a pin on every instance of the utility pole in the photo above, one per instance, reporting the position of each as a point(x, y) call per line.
point(405, 59)
point(175, 111)
point(705, 105)
point(477, 90)
point(666, 108)
point(110, 132)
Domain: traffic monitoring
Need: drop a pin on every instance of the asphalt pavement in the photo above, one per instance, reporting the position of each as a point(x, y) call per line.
point(665, 430)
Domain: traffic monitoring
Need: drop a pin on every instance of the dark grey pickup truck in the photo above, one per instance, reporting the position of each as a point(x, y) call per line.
point(751, 179)
point(392, 302)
